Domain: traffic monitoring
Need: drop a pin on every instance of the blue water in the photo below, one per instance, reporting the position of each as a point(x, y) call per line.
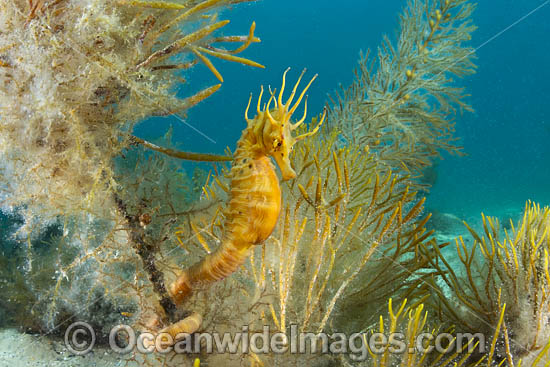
point(506, 139)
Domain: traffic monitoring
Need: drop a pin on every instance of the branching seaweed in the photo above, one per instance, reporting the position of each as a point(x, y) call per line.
point(413, 323)
point(76, 76)
point(402, 101)
point(511, 266)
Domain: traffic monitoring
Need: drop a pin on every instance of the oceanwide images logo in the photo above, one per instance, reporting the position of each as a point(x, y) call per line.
point(80, 339)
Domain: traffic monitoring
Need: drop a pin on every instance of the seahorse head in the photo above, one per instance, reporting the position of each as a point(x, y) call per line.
point(272, 128)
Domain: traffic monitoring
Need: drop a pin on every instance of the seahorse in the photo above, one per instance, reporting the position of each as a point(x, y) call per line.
point(255, 194)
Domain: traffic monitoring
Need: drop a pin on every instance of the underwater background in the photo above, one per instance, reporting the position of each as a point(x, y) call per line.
point(506, 139)
point(506, 162)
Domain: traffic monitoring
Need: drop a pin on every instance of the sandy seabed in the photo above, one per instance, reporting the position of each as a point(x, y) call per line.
point(18, 350)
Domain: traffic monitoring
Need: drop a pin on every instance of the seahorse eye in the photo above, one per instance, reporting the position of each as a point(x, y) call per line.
point(279, 144)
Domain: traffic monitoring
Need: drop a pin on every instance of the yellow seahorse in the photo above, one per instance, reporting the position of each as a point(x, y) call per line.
point(255, 196)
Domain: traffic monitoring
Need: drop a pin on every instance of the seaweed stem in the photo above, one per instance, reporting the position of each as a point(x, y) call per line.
point(200, 157)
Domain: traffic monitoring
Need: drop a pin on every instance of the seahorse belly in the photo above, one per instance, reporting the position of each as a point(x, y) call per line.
point(251, 217)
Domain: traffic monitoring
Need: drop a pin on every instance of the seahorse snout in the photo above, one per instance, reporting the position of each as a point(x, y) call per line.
point(287, 171)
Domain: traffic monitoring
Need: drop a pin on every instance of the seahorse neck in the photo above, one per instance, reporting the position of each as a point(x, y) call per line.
point(248, 146)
